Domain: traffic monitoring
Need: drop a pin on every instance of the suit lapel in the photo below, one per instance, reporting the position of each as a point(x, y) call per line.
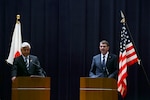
point(30, 60)
point(109, 58)
point(21, 60)
point(100, 61)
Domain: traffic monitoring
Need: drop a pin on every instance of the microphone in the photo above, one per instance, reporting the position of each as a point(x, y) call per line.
point(40, 67)
point(106, 70)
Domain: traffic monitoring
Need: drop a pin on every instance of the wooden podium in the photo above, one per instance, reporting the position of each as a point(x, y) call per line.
point(31, 88)
point(98, 89)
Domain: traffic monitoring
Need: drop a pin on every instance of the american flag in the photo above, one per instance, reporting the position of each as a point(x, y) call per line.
point(127, 57)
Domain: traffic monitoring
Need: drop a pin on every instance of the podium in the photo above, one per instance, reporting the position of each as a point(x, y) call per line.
point(31, 88)
point(98, 89)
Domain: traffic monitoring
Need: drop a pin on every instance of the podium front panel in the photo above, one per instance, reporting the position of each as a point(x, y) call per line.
point(98, 89)
point(31, 88)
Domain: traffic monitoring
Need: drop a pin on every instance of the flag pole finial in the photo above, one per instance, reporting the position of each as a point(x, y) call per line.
point(17, 18)
point(123, 18)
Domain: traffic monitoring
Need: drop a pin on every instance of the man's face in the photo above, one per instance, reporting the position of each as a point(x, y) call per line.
point(103, 48)
point(25, 51)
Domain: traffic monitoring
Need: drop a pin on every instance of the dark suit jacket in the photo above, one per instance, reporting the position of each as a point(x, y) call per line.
point(19, 67)
point(97, 69)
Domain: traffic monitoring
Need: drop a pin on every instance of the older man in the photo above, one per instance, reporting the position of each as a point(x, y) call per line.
point(26, 64)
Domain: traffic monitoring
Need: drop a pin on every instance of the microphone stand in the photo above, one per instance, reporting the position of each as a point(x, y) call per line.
point(43, 71)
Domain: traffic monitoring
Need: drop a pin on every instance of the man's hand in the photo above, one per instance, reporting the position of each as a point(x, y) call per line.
point(13, 78)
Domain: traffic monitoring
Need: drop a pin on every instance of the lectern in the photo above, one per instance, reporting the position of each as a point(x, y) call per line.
point(98, 89)
point(31, 88)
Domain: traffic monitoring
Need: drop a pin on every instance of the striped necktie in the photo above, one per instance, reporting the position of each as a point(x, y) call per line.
point(103, 62)
point(26, 63)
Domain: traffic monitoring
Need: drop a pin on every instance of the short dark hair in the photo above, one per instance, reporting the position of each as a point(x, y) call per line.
point(104, 42)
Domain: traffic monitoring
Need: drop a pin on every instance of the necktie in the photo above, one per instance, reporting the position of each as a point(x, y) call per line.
point(26, 63)
point(103, 62)
point(104, 66)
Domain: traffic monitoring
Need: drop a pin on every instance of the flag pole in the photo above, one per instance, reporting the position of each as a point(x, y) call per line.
point(123, 21)
point(15, 42)
point(17, 21)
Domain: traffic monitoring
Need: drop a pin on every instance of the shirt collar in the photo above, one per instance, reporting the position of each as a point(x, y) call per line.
point(106, 55)
point(25, 57)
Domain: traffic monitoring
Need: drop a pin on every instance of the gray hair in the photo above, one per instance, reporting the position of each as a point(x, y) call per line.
point(25, 44)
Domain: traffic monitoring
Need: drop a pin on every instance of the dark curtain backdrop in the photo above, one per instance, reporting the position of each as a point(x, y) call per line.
point(65, 34)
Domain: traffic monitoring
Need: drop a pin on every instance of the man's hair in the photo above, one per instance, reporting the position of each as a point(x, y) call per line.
point(104, 42)
point(25, 44)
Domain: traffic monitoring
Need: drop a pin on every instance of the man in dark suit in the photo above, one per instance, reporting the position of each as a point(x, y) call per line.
point(26, 64)
point(104, 64)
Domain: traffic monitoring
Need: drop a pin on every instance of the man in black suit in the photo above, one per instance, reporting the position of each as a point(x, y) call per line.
point(104, 64)
point(26, 64)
